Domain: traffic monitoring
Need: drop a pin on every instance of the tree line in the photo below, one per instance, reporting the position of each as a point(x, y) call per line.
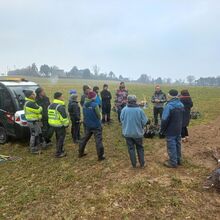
point(54, 71)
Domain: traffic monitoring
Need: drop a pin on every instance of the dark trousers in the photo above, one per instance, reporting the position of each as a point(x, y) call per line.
point(184, 132)
point(137, 143)
point(60, 138)
point(174, 149)
point(119, 111)
point(75, 130)
point(157, 111)
point(106, 111)
point(47, 131)
point(98, 139)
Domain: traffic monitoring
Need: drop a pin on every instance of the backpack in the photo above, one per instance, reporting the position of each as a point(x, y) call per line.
point(195, 115)
point(150, 132)
point(213, 181)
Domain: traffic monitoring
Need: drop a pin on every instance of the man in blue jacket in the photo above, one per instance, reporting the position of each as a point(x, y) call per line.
point(133, 121)
point(171, 126)
point(92, 120)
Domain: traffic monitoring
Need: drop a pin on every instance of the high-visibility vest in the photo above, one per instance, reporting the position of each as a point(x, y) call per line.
point(32, 111)
point(55, 119)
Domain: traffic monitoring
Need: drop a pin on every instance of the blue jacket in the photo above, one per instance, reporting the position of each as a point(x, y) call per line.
point(133, 121)
point(98, 100)
point(91, 114)
point(172, 118)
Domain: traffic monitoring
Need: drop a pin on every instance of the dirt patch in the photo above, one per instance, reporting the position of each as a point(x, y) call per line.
point(75, 188)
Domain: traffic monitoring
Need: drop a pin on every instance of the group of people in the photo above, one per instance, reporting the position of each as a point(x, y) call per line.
point(45, 118)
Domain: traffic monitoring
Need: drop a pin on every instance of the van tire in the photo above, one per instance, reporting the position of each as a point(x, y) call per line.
point(3, 135)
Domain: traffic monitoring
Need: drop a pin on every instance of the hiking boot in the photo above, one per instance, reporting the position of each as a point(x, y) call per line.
point(82, 155)
point(180, 163)
point(169, 165)
point(49, 144)
point(63, 154)
point(184, 140)
point(101, 158)
point(36, 152)
point(142, 166)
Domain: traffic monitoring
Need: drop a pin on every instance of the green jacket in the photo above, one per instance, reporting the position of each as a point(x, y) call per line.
point(57, 116)
point(32, 110)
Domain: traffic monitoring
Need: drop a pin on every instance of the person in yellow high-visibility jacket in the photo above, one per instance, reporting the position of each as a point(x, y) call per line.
point(58, 119)
point(33, 115)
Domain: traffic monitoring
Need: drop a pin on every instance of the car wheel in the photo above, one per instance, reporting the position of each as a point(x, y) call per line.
point(3, 135)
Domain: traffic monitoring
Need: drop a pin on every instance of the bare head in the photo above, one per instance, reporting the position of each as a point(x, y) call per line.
point(157, 88)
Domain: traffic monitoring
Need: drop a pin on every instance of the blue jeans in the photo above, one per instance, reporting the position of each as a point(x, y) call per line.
point(174, 149)
point(131, 143)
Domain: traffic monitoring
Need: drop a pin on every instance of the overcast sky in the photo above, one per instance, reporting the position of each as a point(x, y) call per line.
point(161, 38)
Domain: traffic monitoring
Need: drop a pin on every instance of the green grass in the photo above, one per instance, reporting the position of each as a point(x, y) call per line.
point(42, 187)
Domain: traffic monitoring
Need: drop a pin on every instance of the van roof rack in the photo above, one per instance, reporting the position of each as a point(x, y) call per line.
point(13, 79)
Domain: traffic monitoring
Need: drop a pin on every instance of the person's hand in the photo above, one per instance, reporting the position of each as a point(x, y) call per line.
point(157, 100)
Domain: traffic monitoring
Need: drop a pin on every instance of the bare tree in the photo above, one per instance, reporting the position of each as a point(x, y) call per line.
point(96, 70)
point(190, 79)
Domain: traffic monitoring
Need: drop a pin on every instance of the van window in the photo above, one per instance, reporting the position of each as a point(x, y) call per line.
point(19, 97)
point(6, 102)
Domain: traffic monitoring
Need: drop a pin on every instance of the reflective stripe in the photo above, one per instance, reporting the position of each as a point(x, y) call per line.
point(29, 115)
point(54, 117)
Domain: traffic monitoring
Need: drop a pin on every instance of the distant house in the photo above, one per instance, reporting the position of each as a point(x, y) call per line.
point(59, 73)
point(3, 74)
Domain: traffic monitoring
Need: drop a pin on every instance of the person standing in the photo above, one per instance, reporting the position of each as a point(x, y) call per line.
point(158, 99)
point(133, 121)
point(33, 114)
point(98, 99)
point(57, 118)
point(86, 90)
point(171, 126)
point(106, 104)
point(188, 104)
point(121, 99)
point(92, 116)
point(43, 101)
point(74, 112)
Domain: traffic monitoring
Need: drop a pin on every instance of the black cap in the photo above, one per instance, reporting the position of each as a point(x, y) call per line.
point(57, 95)
point(95, 88)
point(38, 91)
point(28, 93)
point(173, 92)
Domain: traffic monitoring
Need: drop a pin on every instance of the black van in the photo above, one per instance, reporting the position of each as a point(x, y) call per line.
point(12, 118)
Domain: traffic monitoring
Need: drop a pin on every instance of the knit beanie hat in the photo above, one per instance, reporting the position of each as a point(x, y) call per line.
point(95, 89)
point(57, 95)
point(185, 92)
point(173, 93)
point(28, 93)
point(38, 91)
point(72, 92)
point(132, 99)
point(91, 95)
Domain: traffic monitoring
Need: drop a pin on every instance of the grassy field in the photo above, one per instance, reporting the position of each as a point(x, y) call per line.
point(42, 187)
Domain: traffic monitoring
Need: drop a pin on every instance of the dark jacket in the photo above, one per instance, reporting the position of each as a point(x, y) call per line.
point(106, 97)
point(91, 114)
point(74, 110)
point(188, 104)
point(82, 100)
point(161, 96)
point(44, 102)
point(172, 118)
